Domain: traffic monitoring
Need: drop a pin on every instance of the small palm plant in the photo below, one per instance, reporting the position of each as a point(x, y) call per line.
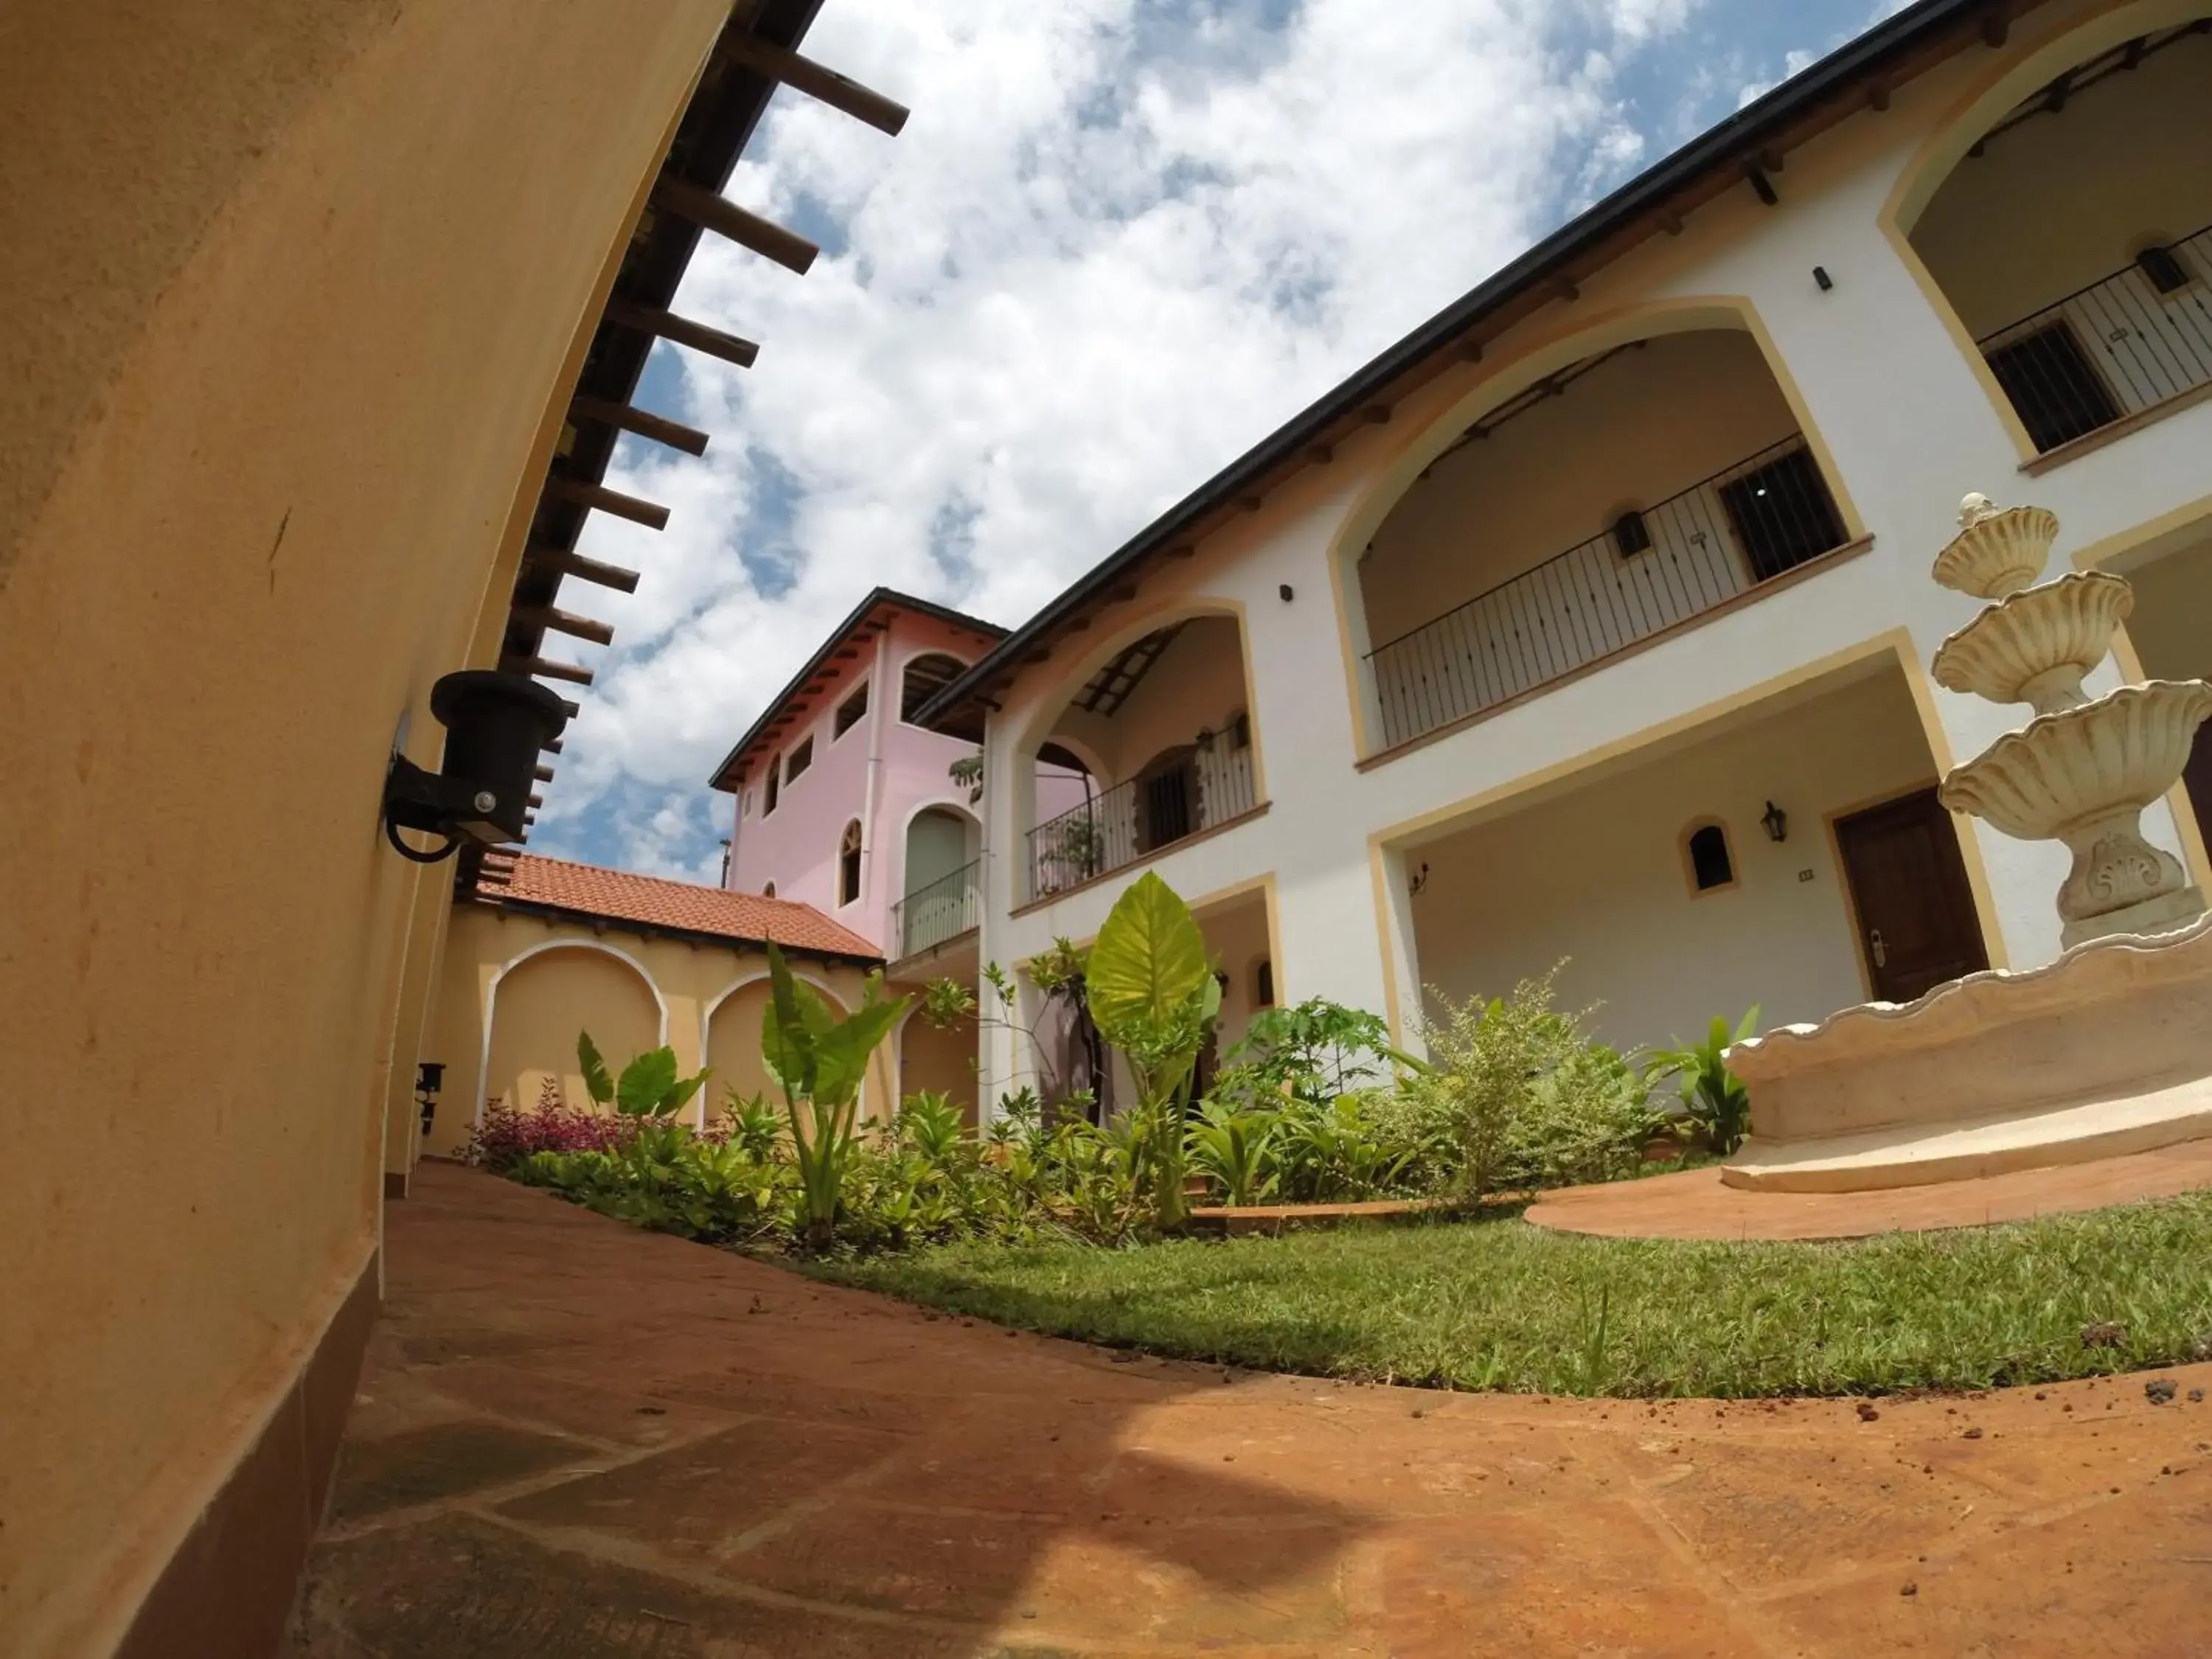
point(820, 1061)
point(1717, 1103)
point(1235, 1150)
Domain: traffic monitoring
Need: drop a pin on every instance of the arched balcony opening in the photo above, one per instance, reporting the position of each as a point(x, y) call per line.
point(1154, 746)
point(2074, 238)
point(944, 897)
point(1616, 499)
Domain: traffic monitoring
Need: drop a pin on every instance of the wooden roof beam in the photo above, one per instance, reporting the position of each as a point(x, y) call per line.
point(583, 569)
point(575, 673)
point(542, 774)
point(564, 622)
point(703, 208)
point(599, 498)
point(826, 86)
point(667, 325)
point(659, 428)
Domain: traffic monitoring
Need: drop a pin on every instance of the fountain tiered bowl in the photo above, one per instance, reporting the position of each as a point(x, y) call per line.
point(2109, 1048)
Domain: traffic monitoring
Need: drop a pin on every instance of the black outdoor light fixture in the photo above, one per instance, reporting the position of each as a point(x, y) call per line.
point(1775, 822)
point(494, 725)
point(429, 1074)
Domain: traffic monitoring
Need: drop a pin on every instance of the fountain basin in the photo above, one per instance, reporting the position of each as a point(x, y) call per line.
point(1998, 552)
point(2080, 766)
point(2038, 645)
point(2106, 1050)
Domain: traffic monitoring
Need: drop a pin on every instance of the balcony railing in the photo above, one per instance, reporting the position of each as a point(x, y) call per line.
point(2125, 343)
point(944, 909)
point(1742, 526)
point(1134, 820)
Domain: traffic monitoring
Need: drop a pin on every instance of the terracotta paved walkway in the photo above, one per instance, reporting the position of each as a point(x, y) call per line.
point(578, 1441)
point(1695, 1205)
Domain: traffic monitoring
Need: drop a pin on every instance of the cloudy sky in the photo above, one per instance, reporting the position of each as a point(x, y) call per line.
point(1118, 241)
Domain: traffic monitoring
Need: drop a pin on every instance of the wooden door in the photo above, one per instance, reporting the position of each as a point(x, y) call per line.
point(1908, 884)
point(2197, 779)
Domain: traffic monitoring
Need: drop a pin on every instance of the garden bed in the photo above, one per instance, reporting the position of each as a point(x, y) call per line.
point(1271, 1219)
point(1500, 1304)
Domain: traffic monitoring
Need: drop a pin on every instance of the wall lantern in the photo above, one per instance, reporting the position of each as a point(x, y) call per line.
point(430, 1075)
point(1775, 822)
point(494, 725)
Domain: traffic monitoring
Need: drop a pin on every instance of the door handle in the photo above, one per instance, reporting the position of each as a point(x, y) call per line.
point(1877, 949)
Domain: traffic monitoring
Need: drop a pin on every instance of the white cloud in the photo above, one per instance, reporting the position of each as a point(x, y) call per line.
point(1116, 244)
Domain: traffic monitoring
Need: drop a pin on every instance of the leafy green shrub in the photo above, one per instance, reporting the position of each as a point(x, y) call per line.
point(1517, 1096)
point(669, 1180)
point(1586, 1119)
point(1364, 1145)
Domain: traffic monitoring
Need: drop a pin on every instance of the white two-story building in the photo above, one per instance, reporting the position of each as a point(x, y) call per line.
point(1593, 620)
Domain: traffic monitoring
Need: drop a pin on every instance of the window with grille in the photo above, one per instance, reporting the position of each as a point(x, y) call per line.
point(2053, 385)
point(1781, 514)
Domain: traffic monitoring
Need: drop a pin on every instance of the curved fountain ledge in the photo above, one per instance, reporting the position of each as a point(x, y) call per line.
point(2106, 1050)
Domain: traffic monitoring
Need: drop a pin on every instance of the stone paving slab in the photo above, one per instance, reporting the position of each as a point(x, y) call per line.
point(1696, 1204)
point(577, 1441)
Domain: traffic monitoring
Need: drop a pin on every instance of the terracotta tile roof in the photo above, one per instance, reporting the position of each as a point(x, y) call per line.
point(588, 889)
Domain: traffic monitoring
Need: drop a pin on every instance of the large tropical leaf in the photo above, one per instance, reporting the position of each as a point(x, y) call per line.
point(596, 1081)
point(1149, 960)
point(683, 1091)
point(787, 1037)
point(646, 1082)
point(846, 1046)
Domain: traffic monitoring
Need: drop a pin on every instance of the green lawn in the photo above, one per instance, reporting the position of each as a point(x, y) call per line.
point(1500, 1304)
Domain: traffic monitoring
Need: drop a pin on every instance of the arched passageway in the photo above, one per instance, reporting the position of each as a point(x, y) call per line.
point(542, 1002)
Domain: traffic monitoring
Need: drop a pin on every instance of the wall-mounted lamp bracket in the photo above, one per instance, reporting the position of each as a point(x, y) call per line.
point(495, 724)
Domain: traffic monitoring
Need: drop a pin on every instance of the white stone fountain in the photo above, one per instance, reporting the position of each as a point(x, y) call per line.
point(2106, 1050)
point(2081, 771)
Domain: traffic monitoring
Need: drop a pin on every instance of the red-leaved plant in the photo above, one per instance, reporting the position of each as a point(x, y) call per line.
point(509, 1134)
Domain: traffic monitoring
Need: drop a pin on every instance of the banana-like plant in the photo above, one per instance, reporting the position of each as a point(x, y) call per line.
point(1153, 994)
point(648, 1086)
point(820, 1061)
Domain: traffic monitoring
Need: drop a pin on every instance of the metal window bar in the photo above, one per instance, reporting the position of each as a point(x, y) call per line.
point(2136, 346)
point(942, 909)
point(1143, 816)
point(1767, 513)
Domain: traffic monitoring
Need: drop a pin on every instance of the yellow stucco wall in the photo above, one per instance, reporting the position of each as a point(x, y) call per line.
point(538, 982)
point(942, 1059)
point(293, 294)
